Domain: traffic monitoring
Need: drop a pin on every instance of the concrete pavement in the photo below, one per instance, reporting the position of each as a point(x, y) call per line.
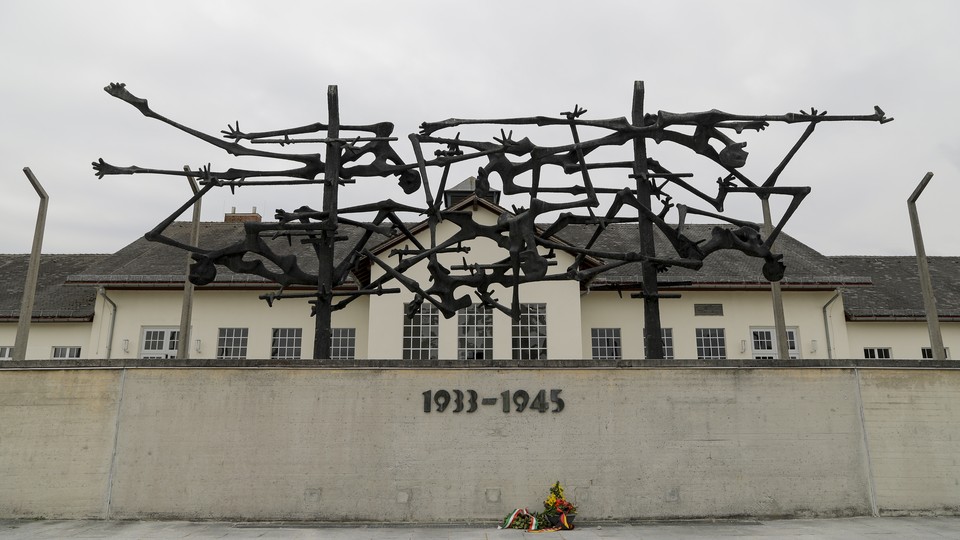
point(866, 528)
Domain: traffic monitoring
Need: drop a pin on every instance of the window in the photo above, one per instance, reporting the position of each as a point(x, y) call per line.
point(285, 344)
point(605, 343)
point(711, 344)
point(420, 333)
point(6, 353)
point(66, 352)
point(876, 352)
point(530, 332)
point(925, 353)
point(764, 343)
point(667, 335)
point(232, 343)
point(475, 333)
point(159, 342)
point(343, 344)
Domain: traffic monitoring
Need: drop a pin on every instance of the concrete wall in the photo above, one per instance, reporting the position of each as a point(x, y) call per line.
point(913, 429)
point(356, 444)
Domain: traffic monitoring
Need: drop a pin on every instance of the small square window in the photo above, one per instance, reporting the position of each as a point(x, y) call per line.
point(711, 344)
point(343, 344)
point(927, 353)
point(876, 352)
point(286, 343)
point(232, 343)
point(605, 344)
point(66, 352)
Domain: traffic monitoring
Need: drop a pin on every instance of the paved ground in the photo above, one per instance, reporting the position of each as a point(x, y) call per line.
point(892, 528)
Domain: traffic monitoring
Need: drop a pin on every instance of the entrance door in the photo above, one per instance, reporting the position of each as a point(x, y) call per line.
point(159, 342)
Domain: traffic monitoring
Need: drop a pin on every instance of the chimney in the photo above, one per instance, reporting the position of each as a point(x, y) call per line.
point(240, 217)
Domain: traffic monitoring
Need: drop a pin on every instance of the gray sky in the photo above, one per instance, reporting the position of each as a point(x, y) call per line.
point(268, 64)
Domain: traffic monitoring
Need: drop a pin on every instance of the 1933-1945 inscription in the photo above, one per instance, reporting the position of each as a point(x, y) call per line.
point(469, 401)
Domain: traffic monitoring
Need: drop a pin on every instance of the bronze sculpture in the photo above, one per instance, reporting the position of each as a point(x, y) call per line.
point(527, 244)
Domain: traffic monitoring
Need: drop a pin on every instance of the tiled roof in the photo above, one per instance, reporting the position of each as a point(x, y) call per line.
point(874, 287)
point(895, 293)
point(54, 299)
point(143, 262)
point(805, 267)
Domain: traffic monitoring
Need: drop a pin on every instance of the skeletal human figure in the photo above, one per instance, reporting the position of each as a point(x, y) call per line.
point(522, 241)
point(313, 164)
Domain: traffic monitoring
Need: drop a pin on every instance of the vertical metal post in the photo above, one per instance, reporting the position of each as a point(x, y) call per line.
point(779, 319)
point(33, 271)
point(186, 312)
point(651, 301)
point(926, 286)
point(322, 339)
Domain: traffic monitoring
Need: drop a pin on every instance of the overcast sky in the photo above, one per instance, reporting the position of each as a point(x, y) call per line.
point(268, 64)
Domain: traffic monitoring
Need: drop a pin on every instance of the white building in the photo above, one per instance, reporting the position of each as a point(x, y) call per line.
point(128, 305)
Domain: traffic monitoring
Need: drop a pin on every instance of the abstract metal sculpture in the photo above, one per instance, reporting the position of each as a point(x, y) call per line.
point(527, 243)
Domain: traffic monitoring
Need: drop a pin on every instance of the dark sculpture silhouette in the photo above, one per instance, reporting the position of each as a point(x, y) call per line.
point(527, 237)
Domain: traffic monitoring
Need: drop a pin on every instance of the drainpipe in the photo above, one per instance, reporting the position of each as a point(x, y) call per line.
point(113, 320)
point(33, 271)
point(826, 324)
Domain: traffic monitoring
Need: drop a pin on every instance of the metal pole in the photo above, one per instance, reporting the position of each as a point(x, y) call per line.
point(186, 313)
point(651, 300)
point(33, 270)
point(322, 339)
point(926, 287)
point(779, 319)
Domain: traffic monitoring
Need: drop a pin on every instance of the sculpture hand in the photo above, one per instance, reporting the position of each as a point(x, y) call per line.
point(505, 139)
point(103, 168)
point(119, 91)
point(233, 132)
point(576, 113)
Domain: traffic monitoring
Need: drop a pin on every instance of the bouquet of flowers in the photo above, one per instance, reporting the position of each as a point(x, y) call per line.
point(556, 505)
point(558, 514)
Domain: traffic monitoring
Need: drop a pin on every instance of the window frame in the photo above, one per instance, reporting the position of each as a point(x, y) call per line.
point(292, 343)
point(793, 335)
point(241, 344)
point(475, 333)
point(69, 349)
point(421, 333)
point(532, 321)
point(718, 336)
point(343, 343)
point(666, 334)
point(926, 353)
point(170, 338)
point(6, 352)
point(606, 343)
point(877, 353)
